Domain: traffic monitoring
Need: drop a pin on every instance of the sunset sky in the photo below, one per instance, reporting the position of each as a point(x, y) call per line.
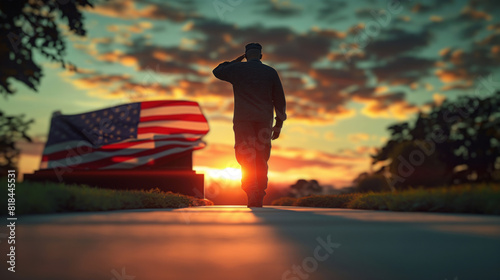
point(343, 88)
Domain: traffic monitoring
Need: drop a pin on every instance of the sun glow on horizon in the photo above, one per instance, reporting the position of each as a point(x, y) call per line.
point(228, 174)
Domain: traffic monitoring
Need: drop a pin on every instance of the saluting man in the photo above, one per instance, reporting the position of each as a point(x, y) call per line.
point(258, 93)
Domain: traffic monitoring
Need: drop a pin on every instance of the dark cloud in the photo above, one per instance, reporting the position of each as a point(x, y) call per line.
point(278, 8)
point(395, 42)
point(430, 6)
point(403, 70)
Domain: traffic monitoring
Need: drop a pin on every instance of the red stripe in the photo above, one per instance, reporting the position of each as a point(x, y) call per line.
point(116, 159)
point(170, 130)
point(161, 103)
point(181, 117)
point(74, 151)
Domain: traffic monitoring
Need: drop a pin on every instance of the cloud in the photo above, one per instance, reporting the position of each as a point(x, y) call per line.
point(433, 6)
point(278, 8)
point(403, 70)
point(314, 93)
point(130, 9)
point(358, 137)
point(387, 105)
point(331, 10)
point(396, 42)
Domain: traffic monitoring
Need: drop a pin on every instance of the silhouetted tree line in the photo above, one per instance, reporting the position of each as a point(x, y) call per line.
point(27, 27)
point(457, 142)
point(303, 188)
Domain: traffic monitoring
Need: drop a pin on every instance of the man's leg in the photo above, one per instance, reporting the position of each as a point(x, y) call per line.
point(263, 152)
point(244, 146)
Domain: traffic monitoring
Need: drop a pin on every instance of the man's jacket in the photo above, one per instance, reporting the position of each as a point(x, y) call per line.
point(257, 90)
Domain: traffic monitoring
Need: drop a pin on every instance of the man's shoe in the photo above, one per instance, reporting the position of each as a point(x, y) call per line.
point(251, 205)
point(254, 201)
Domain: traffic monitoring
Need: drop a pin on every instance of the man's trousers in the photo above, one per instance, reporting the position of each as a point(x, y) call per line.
point(253, 149)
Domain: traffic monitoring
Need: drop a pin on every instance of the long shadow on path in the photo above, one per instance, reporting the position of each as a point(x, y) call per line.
point(386, 245)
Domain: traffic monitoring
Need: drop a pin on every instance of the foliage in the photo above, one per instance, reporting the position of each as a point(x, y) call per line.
point(329, 201)
point(12, 129)
point(470, 198)
point(454, 143)
point(28, 26)
point(366, 182)
point(284, 201)
point(305, 188)
point(33, 198)
point(479, 199)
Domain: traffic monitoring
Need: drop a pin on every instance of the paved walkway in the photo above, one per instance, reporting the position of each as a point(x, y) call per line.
point(234, 242)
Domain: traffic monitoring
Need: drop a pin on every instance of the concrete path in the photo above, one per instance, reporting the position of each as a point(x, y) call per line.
point(234, 242)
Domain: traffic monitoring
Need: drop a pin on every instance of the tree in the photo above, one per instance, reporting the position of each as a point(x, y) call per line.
point(29, 26)
point(305, 188)
point(12, 129)
point(454, 143)
point(366, 182)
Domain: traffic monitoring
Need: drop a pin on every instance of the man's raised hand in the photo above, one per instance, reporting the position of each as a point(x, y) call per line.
point(240, 58)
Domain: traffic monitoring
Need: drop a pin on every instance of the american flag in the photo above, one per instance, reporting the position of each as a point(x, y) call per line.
point(129, 136)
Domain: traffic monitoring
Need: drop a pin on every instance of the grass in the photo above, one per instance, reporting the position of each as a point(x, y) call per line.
point(478, 199)
point(34, 198)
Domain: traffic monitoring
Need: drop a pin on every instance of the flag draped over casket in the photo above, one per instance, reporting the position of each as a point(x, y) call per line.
point(131, 136)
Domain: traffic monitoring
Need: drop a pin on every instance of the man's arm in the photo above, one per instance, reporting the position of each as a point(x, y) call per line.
point(222, 72)
point(279, 103)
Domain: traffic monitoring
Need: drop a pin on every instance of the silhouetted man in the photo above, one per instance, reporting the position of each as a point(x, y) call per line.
point(257, 93)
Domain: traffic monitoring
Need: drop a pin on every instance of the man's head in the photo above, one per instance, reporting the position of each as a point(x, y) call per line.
point(253, 51)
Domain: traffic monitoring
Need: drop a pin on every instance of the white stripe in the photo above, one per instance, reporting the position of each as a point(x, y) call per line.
point(176, 124)
point(170, 110)
point(86, 158)
point(168, 136)
point(145, 159)
point(81, 144)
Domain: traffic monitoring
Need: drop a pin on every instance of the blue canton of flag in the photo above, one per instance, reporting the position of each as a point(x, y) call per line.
point(98, 128)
